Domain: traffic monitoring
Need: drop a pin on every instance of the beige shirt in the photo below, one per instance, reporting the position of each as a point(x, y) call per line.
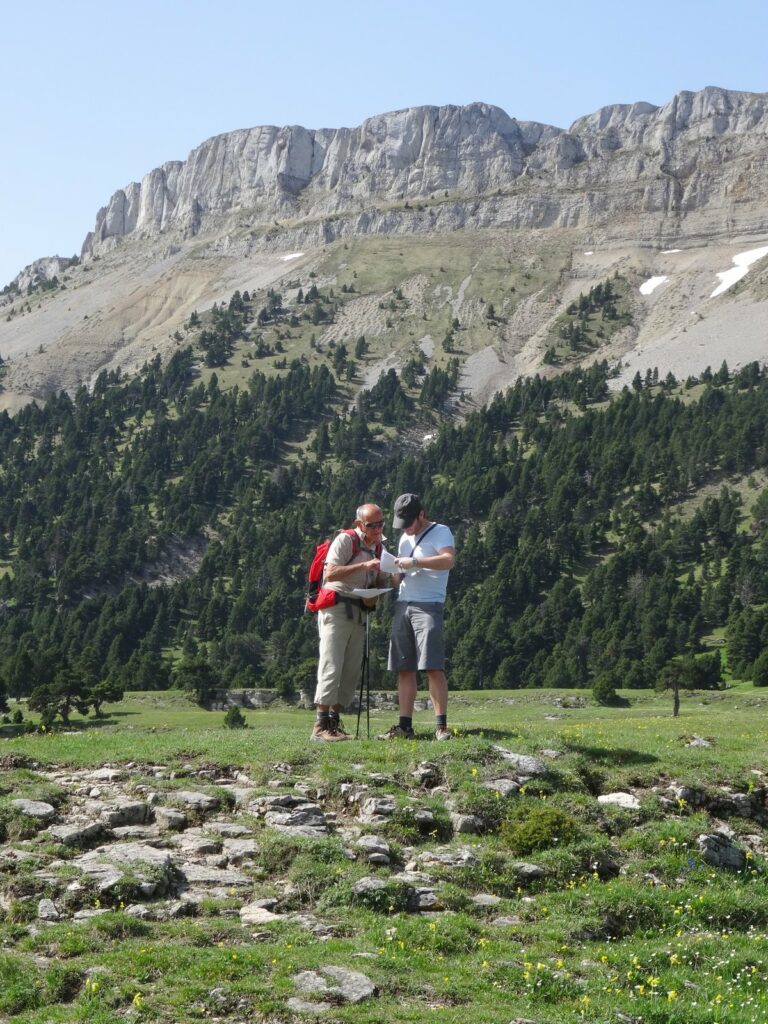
point(340, 553)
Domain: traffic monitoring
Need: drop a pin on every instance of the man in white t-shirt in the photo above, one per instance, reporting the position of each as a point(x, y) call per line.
point(426, 553)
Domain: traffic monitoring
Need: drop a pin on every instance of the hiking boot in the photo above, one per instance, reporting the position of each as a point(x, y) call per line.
point(339, 732)
point(324, 732)
point(397, 732)
point(442, 733)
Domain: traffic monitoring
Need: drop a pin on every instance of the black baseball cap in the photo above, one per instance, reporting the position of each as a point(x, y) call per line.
point(407, 507)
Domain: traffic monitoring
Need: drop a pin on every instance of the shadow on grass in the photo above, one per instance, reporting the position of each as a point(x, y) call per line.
point(11, 732)
point(491, 734)
point(613, 755)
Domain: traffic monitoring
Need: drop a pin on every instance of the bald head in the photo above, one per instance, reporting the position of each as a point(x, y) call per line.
point(366, 513)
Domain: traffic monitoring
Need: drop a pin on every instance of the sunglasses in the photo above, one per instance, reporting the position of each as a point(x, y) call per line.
point(378, 525)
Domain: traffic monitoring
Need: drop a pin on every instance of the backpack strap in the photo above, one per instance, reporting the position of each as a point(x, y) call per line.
point(355, 541)
point(418, 540)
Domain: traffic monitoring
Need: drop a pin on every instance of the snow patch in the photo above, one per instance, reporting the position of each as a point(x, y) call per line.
point(590, 252)
point(667, 252)
point(650, 286)
point(291, 256)
point(743, 261)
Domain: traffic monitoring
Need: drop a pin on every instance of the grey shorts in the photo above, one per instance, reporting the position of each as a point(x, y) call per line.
point(417, 637)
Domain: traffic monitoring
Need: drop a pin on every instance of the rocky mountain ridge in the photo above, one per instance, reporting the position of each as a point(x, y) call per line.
point(470, 195)
point(702, 153)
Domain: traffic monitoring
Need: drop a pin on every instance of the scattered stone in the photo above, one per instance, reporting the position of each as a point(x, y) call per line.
point(262, 804)
point(106, 775)
point(77, 835)
point(241, 795)
point(253, 913)
point(88, 914)
point(228, 829)
point(303, 1005)
point(376, 808)
point(719, 851)
point(34, 809)
point(375, 848)
point(625, 800)
point(129, 813)
point(523, 762)
point(486, 899)
point(338, 982)
point(466, 824)
point(605, 867)
point(202, 874)
point(239, 850)
point(140, 911)
point(307, 820)
point(427, 774)
point(528, 872)
point(202, 802)
point(413, 878)
point(144, 833)
point(424, 818)
point(693, 797)
point(197, 843)
point(505, 787)
point(743, 805)
point(46, 911)
point(180, 908)
point(424, 899)
point(367, 886)
point(552, 754)
point(319, 929)
point(150, 870)
point(698, 741)
point(450, 858)
point(170, 819)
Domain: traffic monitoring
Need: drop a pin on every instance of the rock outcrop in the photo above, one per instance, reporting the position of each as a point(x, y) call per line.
point(702, 155)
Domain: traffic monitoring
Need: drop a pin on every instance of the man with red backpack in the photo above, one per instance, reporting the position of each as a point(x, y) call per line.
point(352, 562)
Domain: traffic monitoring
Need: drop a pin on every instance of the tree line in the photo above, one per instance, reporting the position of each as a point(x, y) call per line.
point(575, 565)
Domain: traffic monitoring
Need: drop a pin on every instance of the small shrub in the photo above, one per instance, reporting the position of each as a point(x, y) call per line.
point(486, 804)
point(392, 898)
point(121, 926)
point(536, 827)
point(21, 911)
point(310, 878)
point(277, 852)
point(235, 719)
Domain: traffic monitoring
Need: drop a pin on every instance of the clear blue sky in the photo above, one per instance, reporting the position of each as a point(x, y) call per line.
point(97, 94)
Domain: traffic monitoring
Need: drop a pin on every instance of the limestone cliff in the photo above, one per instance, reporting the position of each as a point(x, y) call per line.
point(702, 157)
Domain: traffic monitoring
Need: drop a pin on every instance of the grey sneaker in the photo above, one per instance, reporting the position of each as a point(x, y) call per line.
point(442, 733)
point(397, 733)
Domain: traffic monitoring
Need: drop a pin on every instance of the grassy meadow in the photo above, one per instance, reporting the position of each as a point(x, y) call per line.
point(627, 924)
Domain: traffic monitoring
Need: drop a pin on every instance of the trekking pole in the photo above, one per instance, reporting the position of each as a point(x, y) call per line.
point(363, 668)
point(367, 680)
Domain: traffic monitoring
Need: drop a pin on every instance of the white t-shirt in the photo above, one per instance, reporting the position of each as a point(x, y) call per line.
point(427, 585)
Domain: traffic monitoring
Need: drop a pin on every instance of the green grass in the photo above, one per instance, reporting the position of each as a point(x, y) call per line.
point(628, 919)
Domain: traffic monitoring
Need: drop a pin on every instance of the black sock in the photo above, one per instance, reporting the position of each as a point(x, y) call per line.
point(335, 715)
point(322, 716)
point(406, 723)
point(441, 721)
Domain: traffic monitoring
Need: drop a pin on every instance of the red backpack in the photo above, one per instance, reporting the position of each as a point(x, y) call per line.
point(318, 596)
